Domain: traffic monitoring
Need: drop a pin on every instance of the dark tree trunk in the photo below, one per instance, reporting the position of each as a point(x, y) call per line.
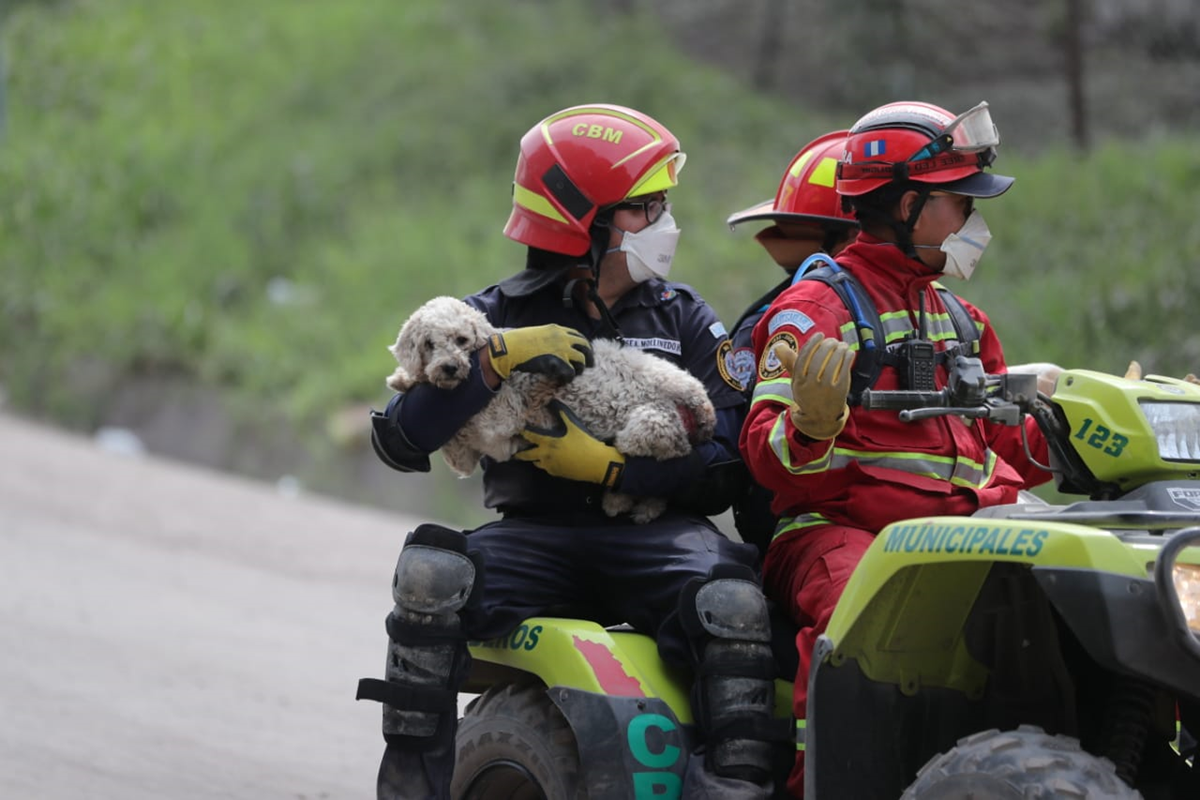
point(766, 59)
point(1073, 50)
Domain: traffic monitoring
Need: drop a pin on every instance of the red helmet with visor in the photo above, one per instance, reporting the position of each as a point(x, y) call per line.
point(806, 192)
point(921, 142)
point(580, 161)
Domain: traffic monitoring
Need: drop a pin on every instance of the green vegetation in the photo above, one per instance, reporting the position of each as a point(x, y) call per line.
point(253, 196)
point(168, 164)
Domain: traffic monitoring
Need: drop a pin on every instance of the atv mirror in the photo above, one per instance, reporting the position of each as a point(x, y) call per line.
point(1178, 587)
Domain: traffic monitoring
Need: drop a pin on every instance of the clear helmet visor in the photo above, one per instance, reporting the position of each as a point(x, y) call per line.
point(974, 131)
point(970, 132)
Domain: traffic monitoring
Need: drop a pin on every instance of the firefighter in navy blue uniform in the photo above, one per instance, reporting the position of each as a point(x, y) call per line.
point(807, 220)
point(589, 200)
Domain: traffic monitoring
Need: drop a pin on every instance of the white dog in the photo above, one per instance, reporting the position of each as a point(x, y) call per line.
point(638, 402)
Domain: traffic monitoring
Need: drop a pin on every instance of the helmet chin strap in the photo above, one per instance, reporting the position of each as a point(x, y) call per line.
point(904, 230)
point(600, 236)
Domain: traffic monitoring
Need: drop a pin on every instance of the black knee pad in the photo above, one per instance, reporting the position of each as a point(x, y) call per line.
point(727, 621)
point(435, 579)
point(726, 604)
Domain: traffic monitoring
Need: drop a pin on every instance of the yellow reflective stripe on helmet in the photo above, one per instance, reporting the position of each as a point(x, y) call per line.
point(598, 111)
point(660, 177)
point(789, 524)
point(825, 173)
point(536, 203)
point(804, 158)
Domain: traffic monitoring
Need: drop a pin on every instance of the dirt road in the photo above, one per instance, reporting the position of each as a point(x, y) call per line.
point(168, 632)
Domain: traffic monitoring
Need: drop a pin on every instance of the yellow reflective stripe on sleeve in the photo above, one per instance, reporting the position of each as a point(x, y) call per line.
point(958, 471)
point(924, 464)
point(778, 390)
point(535, 203)
point(801, 733)
point(789, 524)
point(783, 451)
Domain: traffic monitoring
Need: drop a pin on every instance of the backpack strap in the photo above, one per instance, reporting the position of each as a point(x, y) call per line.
point(761, 304)
point(869, 361)
point(964, 323)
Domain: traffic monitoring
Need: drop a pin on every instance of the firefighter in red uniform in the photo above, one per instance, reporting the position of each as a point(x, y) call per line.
point(806, 221)
point(911, 172)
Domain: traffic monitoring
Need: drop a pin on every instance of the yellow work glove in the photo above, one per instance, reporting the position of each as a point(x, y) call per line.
point(552, 350)
point(1134, 373)
point(572, 452)
point(820, 383)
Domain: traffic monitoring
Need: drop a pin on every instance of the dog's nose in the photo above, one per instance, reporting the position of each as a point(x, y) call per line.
point(450, 370)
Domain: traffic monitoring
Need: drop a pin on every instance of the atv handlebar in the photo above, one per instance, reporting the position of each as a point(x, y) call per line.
point(970, 393)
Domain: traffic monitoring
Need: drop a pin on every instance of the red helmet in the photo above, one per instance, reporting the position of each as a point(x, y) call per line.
point(910, 141)
point(580, 161)
point(806, 192)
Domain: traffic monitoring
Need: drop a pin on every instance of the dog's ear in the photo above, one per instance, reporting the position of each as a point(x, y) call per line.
point(481, 329)
point(408, 351)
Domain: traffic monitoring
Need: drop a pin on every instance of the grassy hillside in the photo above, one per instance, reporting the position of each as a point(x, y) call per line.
point(252, 196)
point(256, 194)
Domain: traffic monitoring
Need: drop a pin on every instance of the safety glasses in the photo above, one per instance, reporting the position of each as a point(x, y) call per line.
point(653, 209)
point(968, 207)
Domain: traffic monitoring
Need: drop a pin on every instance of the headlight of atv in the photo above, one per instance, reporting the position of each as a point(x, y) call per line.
point(1176, 427)
point(1187, 586)
point(1178, 587)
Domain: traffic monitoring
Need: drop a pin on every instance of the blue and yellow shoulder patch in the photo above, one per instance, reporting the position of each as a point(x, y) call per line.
point(725, 364)
point(741, 366)
point(769, 365)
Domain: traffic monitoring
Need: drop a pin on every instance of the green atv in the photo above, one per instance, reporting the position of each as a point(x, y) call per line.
point(1031, 650)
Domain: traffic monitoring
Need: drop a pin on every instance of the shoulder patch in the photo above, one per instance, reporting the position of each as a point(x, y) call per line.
point(742, 366)
point(797, 319)
point(717, 329)
point(725, 364)
point(667, 294)
point(769, 366)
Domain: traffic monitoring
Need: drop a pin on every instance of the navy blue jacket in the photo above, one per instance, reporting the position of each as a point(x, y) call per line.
point(669, 319)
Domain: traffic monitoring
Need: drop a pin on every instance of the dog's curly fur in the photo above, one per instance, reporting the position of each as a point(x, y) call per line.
point(640, 403)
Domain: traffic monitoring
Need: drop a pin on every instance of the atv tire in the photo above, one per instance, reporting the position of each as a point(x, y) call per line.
point(1027, 762)
point(513, 742)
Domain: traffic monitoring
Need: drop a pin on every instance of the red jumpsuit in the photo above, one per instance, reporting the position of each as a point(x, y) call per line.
point(832, 497)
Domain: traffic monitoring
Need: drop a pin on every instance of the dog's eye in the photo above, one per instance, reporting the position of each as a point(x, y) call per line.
point(427, 344)
point(461, 341)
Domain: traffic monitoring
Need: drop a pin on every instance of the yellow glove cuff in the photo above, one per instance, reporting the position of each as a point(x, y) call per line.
point(819, 429)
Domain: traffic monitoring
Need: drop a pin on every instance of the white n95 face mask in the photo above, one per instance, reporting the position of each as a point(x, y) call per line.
point(650, 251)
point(964, 248)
